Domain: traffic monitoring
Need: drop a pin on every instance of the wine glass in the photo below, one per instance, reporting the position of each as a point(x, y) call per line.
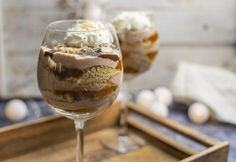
point(139, 41)
point(80, 70)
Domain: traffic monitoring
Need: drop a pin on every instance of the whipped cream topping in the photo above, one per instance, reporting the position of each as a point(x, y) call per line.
point(88, 33)
point(132, 21)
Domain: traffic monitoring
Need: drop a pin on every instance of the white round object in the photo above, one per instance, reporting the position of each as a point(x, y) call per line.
point(123, 97)
point(163, 95)
point(198, 113)
point(159, 109)
point(145, 97)
point(120, 97)
point(16, 110)
point(93, 12)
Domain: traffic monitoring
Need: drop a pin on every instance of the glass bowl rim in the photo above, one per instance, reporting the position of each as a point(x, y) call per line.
point(54, 26)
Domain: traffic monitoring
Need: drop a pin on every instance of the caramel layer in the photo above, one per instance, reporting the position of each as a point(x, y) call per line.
point(119, 65)
point(153, 37)
point(72, 96)
point(152, 55)
point(111, 57)
point(131, 70)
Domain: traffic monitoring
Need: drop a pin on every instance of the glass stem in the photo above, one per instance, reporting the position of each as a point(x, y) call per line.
point(124, 111)
point(79, 126)
point(123, 124)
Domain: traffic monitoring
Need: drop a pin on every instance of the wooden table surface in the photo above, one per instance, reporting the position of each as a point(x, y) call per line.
point(178, 112)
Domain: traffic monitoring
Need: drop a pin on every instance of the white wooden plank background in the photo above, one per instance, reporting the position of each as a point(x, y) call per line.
point(24, 25)
point(201, 22)
point(202, 31)
point(2, 56)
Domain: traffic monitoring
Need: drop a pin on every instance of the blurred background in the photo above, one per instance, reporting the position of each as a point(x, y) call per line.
point(193, 31)
point(202, 31)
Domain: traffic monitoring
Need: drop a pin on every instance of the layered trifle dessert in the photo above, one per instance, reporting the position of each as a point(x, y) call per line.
point(138, 37)
point(83, 73)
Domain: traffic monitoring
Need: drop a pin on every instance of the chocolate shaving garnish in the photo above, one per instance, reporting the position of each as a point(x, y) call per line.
point(98, 50)
point(64, 72)
point(111, 57)
point(48, 53)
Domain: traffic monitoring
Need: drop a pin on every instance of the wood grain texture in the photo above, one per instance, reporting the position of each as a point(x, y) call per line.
point(191, 22)
point(179, 128)
point(45, 140)
point(214, 154)
point(217, 151)
point(184, 150)
point(23, 138)
point(94, 152)
point(53, 139)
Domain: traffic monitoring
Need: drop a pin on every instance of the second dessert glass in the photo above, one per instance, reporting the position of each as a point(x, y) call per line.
point(139, 42)
point(80, 70)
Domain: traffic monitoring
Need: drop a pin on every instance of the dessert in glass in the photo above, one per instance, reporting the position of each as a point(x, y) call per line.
point(80, 70)
point(139, 42)
point(138, 38)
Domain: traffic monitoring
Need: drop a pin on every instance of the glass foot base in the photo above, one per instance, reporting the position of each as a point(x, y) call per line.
point(123, 144)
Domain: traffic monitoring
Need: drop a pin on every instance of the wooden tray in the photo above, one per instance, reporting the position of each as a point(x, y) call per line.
point(52, 139)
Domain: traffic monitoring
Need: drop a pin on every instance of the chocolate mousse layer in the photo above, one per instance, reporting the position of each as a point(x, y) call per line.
point(81, 80)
